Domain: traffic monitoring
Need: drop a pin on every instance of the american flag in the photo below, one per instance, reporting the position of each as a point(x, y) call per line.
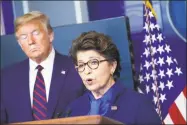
point(161, 77)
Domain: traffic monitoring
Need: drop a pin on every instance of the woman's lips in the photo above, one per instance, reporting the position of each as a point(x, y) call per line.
point(89, 81)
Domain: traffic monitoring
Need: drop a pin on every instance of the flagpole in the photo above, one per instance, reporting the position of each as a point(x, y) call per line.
point(148, 5)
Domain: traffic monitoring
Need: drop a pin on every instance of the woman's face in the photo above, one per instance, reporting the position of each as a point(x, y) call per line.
point(95, 77)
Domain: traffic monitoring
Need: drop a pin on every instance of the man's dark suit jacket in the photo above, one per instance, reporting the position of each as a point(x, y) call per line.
point(129, 107)
point(66, 85)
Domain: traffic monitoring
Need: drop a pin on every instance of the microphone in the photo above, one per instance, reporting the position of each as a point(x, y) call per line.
point(67, 113)
point(63, 114)
point(58, 115)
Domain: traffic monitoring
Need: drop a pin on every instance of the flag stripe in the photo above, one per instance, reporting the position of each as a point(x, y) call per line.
point(168, 120)
point(175, 115)
point(181, 104)
point(184, 91)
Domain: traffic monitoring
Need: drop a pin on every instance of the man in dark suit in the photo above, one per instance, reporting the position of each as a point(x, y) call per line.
point(41, 86)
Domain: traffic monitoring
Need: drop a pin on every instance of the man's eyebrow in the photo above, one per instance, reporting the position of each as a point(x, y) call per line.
point(94, 57)
point(35, 30)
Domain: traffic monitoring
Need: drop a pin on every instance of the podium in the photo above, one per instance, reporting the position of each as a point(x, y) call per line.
point(94, 119)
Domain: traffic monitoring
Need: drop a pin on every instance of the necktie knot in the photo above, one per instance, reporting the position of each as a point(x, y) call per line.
point(39, 67)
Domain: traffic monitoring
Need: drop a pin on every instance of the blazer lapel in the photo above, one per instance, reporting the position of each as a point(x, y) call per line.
point(58, 76)
point(112, 110)
point(117, 92)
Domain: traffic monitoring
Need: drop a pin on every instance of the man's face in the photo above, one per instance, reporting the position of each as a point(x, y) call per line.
point(35, 40)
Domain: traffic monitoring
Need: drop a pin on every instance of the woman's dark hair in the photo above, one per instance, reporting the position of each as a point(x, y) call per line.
point(99, 42)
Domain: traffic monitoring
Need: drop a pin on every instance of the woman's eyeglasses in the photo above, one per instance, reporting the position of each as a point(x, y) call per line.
point(92, 64)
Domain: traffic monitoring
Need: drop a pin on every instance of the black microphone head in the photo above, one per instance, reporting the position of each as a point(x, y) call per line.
point(58, 115)
point(68, 112)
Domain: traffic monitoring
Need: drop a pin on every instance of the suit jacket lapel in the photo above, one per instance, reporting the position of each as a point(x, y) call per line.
point(24, 92)
point(58, 75)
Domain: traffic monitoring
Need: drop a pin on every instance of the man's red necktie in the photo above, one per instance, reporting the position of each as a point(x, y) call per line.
point(39, 97)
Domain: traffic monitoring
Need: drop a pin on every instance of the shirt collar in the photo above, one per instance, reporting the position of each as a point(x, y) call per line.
point(112, 94)
point(46, 64)
point(109, 96)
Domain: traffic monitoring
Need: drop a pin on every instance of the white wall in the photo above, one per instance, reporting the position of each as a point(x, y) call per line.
point(2, 22)
point(59, 12)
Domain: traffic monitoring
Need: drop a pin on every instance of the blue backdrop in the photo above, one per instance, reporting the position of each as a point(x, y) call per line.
point(114, 27)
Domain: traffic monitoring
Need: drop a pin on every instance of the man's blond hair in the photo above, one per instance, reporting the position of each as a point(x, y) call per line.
point(31, 16)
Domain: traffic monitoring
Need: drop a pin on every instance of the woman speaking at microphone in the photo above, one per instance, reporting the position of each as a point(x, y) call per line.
point(97, 61)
